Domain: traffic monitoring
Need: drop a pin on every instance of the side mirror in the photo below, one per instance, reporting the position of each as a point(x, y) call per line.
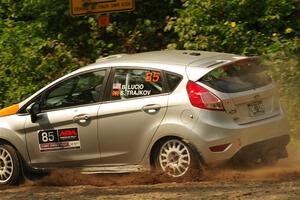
point(33, 109)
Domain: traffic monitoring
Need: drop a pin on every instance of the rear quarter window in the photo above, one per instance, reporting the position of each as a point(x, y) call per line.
point(243, 75)
point(173, 81)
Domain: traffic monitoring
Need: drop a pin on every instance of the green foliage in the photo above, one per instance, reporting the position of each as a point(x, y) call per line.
point(239, 26)
point(285, 70)
point(28, 62)
point(40, 41)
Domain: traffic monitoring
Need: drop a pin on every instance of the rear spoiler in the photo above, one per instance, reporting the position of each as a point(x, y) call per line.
point(196, 70)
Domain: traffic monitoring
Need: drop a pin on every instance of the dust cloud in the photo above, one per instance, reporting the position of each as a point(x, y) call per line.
point(71, 177)
point(288, 168)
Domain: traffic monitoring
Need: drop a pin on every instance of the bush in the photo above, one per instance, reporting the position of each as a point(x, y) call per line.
point(247, 27)
point(40, 41)
point(28, 62)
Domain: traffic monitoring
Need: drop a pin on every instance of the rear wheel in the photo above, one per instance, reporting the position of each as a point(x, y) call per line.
point(176, 159)
point(10, 168)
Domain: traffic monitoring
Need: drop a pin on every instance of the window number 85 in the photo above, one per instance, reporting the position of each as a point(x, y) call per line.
point(152, 77)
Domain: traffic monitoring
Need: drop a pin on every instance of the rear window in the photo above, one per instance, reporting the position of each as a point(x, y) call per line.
point(239, 76)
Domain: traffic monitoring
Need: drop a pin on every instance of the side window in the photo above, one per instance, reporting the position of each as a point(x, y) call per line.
point(173, 80)
point(79, 90)
point(130, 83)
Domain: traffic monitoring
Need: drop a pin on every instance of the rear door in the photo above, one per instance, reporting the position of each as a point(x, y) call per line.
point(135, 107)
point(251, 93)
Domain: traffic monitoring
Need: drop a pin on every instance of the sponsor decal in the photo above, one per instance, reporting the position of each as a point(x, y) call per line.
point(60, 139)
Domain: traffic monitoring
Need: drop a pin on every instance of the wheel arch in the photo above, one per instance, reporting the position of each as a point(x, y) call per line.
point(21, 158)
point(17, 142)
point(4, 141)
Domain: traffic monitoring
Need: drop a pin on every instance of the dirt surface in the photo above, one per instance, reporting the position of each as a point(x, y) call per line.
point(279, 182)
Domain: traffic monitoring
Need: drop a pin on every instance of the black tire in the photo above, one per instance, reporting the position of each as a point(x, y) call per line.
point(35, 174)
point(10, 166)
point(183, 162)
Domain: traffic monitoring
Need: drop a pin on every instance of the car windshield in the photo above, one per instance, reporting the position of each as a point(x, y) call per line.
point(239, 76)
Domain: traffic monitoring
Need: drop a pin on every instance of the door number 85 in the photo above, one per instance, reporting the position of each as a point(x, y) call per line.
point(48, 136)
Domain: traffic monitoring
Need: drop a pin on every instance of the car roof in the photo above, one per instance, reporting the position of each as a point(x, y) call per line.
point(168, 57)
point(195, 63)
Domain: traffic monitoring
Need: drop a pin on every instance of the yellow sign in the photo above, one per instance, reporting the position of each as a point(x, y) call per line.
point(82, 7)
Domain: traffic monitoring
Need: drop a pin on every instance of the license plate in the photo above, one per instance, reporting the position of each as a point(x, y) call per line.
point(256, 108)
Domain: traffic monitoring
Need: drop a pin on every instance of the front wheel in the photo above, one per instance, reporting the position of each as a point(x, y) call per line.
point(176, 159)
point(9, 165)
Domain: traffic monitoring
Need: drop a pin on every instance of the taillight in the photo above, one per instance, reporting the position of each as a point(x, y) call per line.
point(202, 98)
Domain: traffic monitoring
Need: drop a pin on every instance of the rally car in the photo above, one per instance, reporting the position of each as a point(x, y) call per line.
point(172, 110)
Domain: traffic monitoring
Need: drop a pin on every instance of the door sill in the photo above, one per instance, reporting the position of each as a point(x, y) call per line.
point(113, 169)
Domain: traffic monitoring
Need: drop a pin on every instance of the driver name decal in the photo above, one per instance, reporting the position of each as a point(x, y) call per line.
point(131, 90)
point(135, 87)
point(60, 139)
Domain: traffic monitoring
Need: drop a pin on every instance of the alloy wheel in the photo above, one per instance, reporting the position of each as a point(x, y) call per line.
point(175, 158)
point(6, 165)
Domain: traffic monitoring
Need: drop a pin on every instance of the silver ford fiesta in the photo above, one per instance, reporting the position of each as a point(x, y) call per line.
point(173, 111)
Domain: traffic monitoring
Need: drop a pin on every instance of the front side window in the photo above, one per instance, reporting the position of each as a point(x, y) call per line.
point(79, 90)
point(131, 83)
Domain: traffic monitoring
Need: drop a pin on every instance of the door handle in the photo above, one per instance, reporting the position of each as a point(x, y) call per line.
point(81, 119)
point(151, 109)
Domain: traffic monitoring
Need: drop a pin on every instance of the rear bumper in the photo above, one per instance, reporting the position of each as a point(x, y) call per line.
point(260, 137)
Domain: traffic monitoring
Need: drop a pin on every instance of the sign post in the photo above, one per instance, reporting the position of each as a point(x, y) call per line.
point(103, 20)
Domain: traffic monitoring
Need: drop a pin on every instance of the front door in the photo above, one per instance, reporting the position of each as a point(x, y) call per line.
point(65, 133)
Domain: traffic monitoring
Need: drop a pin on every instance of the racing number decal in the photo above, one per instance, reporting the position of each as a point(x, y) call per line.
point(61, 139)
point(48, 136)
point(152, 77)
